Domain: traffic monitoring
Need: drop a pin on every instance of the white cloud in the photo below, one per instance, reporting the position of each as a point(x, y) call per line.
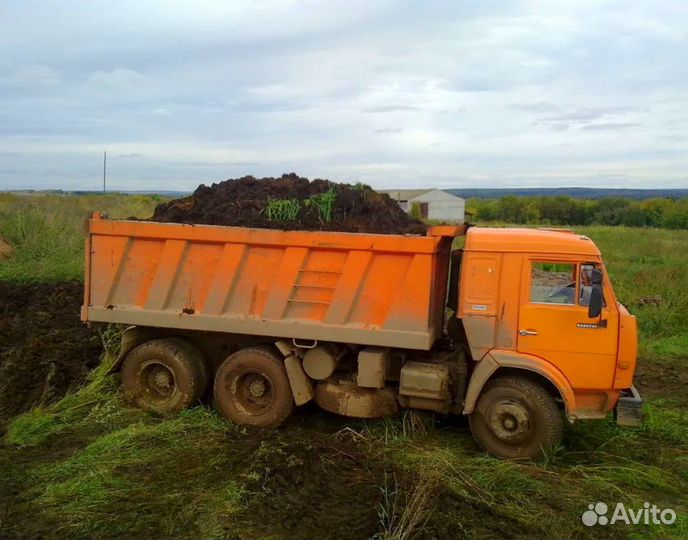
point(457, 93)
point(31, 77)
point(114, 79)
point(162, 112)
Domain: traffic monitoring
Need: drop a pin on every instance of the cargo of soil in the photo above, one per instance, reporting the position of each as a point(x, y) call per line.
point(290, 203)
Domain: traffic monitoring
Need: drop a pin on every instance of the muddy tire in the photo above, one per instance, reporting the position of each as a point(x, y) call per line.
point(164, 375)
point(252, 388)
point(516, 418)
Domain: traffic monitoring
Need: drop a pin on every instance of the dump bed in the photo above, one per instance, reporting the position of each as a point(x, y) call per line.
point(368, 289)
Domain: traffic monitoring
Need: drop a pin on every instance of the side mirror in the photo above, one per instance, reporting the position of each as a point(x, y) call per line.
point(596, 277)
point(596, 301)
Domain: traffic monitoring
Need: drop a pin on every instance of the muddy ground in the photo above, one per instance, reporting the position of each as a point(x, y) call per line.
point(321, 476)
point(44, 348)
point(244, 202)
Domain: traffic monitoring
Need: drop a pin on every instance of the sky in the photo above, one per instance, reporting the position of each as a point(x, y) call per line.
point(448, 94)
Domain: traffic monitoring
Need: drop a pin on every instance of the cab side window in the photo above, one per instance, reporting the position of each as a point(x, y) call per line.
point(553, 283)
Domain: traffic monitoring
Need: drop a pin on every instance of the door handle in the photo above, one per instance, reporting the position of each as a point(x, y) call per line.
point(528, 332)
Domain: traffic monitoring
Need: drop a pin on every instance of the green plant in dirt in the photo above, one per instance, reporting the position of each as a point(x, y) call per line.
point(284, 210)
point(324, 204)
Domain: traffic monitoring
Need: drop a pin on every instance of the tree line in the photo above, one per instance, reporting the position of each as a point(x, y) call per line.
point(564, 210)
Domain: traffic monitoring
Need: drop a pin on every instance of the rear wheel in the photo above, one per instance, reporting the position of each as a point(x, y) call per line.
point(252, 387)
point(516, 418)
point(164, 375)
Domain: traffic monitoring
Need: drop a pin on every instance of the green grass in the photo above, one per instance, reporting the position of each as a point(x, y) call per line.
point(91, 466)
point(649, 263)
point(32, 428)
point(111, 470)
point(47, 231)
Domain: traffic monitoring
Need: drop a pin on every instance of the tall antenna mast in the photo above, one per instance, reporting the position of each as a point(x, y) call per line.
point(104, 168)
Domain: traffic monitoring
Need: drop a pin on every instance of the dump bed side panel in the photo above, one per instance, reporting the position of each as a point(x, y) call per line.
point(354, 288)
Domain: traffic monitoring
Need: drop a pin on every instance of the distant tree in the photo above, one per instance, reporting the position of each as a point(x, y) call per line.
point(517, 210)
point(483, 210)
point(634, 216)
point(609, 211)
point(565, 210)
point(676, 216)
point(655, 210)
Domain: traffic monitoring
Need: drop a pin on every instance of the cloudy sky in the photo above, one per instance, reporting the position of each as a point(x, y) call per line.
point(473, 93)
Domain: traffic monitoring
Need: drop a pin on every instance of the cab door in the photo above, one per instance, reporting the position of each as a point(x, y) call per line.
point(554, 323)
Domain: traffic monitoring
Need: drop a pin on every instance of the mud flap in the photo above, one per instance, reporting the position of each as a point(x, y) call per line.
point(301, 386)
point(131, 337)
point(628, 410)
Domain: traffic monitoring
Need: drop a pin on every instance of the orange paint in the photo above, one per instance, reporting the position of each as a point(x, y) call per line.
point(379, 288)
point(596, 356)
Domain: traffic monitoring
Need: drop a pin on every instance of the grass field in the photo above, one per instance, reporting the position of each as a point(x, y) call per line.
point(89, 466)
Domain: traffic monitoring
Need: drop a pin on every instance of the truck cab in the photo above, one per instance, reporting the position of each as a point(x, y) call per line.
point(526, 303)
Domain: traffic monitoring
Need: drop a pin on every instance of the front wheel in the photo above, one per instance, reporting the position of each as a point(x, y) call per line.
point(252, 388)
point(516, 418)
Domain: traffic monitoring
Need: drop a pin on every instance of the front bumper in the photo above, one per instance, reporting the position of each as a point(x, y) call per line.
point(628, 410)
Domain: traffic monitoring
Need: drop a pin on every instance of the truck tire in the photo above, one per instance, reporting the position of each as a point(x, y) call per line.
point(252, 388)
point(516, 418)
point(164, 375)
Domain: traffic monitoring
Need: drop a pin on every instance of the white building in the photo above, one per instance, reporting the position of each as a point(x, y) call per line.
point(431, 203)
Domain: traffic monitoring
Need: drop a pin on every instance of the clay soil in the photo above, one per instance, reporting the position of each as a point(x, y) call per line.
point(242, 202)
point(44, 348)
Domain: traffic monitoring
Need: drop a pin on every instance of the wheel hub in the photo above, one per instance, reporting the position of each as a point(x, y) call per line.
point(158, 379)
point(257, 388)
point(162, 379)
point(509, 421)
point(253, 392)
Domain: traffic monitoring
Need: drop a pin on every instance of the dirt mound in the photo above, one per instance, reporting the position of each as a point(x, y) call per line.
point(44, 347)
point(291, 203)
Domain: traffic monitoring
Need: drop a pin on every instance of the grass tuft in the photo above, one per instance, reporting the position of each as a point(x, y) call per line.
point(283, 210)
point(32, 428)
point(324, 204)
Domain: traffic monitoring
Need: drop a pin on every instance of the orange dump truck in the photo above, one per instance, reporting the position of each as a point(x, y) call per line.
point(518, 330)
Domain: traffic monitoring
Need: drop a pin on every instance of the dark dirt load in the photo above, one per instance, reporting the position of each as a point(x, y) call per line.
point(44, 348)
point(291, 203)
